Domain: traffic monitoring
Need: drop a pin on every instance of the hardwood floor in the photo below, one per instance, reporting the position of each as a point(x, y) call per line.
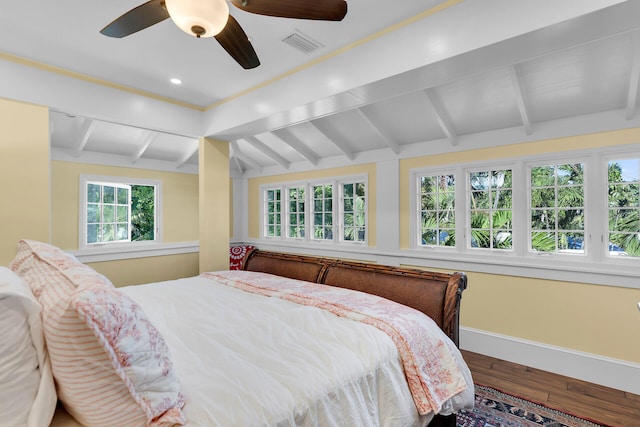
point(612, 407)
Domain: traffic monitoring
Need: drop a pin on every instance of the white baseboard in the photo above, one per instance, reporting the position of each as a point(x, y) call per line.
point(609, 372)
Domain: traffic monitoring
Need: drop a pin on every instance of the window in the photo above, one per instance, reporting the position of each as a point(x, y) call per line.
point(557, 217)
point(295, 199)
point(581, 205)
point(322, 213)
point(437, 210)
point(490, 215)
point(273, 213)
point(345, 198)
point(115, 210)
point(623, 177)
point(353, 211)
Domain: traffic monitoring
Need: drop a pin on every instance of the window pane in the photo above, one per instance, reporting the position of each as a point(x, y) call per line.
point(93, 233)
point(624, 207)
point(108, 233)
point(142, 212)
point(123, 196)
point(122, 214)
point(542, 176)
point(93, 213)
point(108, 213)
point(559, 226)
point(108, 194)
point(93, 193)
point(437, 210)
point(490, 213)
point(122, 232)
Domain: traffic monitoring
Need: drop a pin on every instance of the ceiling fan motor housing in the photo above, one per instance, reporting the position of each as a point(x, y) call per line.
point(199, 18)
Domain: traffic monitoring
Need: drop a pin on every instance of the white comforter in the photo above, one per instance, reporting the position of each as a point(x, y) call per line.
point(248, 360)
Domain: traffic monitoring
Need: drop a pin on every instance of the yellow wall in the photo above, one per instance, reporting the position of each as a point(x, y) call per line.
point(368, 169)
point(24, 175)
point(147, 270)
point(595, 319)
point(590, 318)
point(179, 201)
point(179, 220)
point(213, 168)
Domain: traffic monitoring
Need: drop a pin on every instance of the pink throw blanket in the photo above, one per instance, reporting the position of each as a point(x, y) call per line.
point(425, 351)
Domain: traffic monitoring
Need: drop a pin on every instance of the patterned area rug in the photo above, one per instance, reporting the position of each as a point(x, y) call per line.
point(496, 409)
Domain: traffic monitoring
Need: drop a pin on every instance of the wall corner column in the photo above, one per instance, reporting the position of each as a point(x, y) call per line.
point(213, 206)
point(25, 175)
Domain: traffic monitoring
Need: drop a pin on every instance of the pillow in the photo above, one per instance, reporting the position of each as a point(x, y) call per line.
point(237, 255)
point(111, 365)
point(27, 392)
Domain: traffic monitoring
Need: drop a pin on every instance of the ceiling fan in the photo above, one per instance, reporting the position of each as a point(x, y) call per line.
point(211, 18)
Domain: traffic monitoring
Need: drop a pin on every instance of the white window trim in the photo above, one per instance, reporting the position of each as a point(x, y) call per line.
point(589, 161)
point(595, 261)
point(466, 206)
point(339, 182)
point(97, 248)
point(334, 215)
point(337, 211)
point(414, 202)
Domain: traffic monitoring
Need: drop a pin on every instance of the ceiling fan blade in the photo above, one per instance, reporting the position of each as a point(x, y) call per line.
point(325, 10)
point(234, 40)
point(137, 19)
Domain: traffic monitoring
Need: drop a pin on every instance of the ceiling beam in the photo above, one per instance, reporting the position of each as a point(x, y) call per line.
point(85, 133)
point(387, 140)
point(634, 78)
point(235, 159)
point(259, 145)
point(518, 88)
point(441, 115)
point(333, 137)
point(147, 139)
point(294, 142)
point(188, 154)
point(235, 150)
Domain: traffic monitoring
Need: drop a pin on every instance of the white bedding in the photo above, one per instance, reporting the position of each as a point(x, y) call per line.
point(248, 360)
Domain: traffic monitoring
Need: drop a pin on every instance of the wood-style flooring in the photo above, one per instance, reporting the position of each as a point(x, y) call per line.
point(609, 406)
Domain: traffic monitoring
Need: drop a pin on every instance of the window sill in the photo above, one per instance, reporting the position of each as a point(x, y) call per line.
point(114, 253)
point(614, 273)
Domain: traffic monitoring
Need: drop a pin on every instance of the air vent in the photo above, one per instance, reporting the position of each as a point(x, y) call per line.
point(301, 42)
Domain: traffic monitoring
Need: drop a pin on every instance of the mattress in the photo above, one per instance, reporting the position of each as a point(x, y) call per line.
point(248, 360)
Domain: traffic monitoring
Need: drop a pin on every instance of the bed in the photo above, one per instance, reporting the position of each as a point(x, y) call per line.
point(288, 340)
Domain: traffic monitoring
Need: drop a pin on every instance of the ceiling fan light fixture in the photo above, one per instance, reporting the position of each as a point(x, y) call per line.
point(199, 18)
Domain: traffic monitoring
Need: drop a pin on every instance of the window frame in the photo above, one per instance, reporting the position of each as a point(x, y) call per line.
point(416, 208)
point(337, 213)
point(492, 167)
point(555, 161)
point(118, 180)
point(595, 259)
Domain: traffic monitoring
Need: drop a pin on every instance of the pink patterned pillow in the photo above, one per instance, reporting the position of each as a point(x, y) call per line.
point(100, 343)
point(135, 352)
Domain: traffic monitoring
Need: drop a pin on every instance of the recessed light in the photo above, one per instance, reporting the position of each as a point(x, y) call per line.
point(176, 81)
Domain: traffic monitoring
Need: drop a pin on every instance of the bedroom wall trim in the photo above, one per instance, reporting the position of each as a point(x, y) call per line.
point(119, 253)
point(609, 372)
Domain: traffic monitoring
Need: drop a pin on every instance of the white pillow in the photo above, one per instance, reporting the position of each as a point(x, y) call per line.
point(27, 391)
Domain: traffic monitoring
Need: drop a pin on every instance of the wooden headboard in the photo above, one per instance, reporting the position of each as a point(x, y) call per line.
point(435, 294)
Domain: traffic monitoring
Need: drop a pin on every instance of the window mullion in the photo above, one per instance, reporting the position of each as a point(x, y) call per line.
point(596, 204)
point(521, 208)
point(462, 210)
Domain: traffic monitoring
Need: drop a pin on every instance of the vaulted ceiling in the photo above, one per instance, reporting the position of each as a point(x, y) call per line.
point(365, 93)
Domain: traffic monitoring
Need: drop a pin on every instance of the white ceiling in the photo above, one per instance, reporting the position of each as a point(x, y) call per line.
point(367, 93)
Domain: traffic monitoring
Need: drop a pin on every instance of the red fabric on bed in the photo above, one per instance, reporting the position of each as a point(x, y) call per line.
point(237, 255)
